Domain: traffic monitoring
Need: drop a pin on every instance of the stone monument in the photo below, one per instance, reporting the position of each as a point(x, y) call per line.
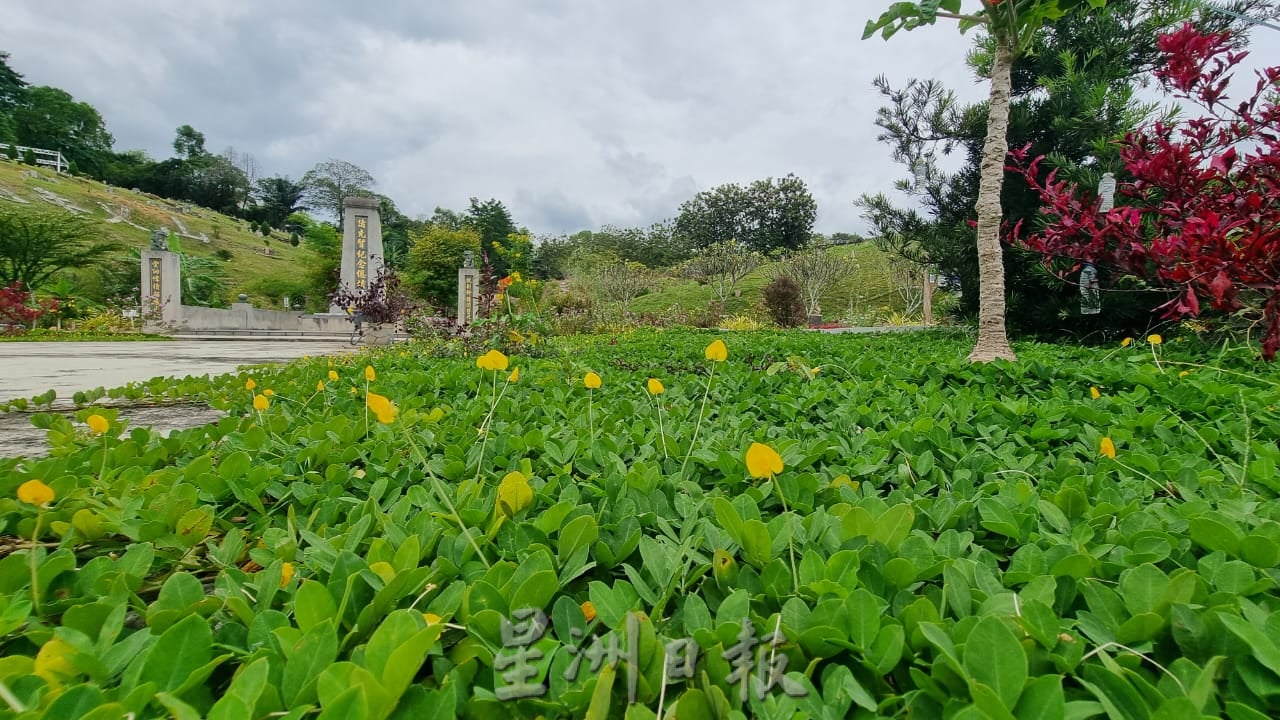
point(161, 283)
point(361, 245)
point(468, 289)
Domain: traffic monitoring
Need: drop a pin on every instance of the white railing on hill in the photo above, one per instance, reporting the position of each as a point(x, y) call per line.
point(47, 158)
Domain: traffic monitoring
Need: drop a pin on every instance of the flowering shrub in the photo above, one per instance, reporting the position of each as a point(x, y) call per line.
point(17, 313)
point(1200, 208)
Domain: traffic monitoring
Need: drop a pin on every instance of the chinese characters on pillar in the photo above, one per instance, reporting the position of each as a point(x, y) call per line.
point(758, 664)
point(470, 299)
point(362, 252)
point(153, 291)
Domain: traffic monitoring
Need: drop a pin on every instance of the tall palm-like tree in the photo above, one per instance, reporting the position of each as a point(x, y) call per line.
point(1012, 25)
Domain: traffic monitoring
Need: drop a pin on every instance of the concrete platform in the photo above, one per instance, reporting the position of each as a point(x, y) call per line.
point(31, 368)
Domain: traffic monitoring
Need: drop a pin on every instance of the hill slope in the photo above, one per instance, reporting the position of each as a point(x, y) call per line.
point(867, 296)
point(130, 217)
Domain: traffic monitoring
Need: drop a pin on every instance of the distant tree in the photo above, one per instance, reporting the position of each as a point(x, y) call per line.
point(447, 219)
point(51, 118)
point(493, 222)
point(12, 90)
point(278, 198)
point(551, 257)
point(331, 182)
point(37, 244)
point(248, 166)
point(29, 157)
point(844, 238)
point(622, 283)
point(188, 143)
point(396, 231)
point(435, 254)
point(722, 265)
point(768, 215)
point(815, 271)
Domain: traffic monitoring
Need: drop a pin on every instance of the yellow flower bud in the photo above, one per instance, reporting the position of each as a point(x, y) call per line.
point(97, 424)
point(763, 461)
point(34, 492)
point(591, 380)
point(655, 387)
point(717, 352)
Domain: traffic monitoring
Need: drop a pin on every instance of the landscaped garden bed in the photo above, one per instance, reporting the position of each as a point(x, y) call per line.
point(837, 525)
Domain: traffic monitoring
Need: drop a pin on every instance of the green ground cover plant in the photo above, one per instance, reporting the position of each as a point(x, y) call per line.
point(865, 526)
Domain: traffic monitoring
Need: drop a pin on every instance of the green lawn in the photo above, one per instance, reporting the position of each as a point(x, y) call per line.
point(868, 526)
point(247, 266)
point(869, 291)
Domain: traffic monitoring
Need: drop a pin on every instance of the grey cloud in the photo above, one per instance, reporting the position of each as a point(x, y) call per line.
point(574, 112)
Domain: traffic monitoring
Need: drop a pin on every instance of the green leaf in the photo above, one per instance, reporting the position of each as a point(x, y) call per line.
point(580, 532)
point(1043, 698)
point(312, 605)
point(1264, 650)
point(178, 653)
point(994, 657)
point(893, 526)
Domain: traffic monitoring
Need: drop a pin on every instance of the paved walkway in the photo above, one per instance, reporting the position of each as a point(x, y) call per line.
point(31, 368)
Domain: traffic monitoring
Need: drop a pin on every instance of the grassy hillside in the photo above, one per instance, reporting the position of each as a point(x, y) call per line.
point(130, 218)
point(870, 291)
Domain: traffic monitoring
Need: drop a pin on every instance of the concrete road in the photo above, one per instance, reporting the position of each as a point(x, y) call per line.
point(31, 368)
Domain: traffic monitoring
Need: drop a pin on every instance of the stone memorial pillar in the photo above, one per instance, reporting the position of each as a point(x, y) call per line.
point(361, 245)
point(468, 290)
point(161, 289)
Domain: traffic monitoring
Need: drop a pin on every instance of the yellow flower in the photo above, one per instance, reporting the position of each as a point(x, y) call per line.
point(591, 380)
point(588, 610)
point(319, 386)
point(1155, 339)
point(34, 492)
point(763, 461)
point(250, 384)
point(432, 619)
point(354, 391)
point(1108, 448)
point(286, 573)
point(1093, 393)
point(97, 424)
point(514, 494)
point(1184, 373)
point(269, 392)
point(717, 352)
point(515, 375)
point(369, 374)
point(383, 408)
point(655, 387)
point(1126, 342)
point(333, 376)
point(493, 360)
point(260, 402)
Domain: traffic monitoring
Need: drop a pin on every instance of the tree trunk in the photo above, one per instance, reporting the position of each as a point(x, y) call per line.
point(993, 343)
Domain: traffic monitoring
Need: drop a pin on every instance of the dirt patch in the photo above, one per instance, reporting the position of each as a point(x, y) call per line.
point(19, 437)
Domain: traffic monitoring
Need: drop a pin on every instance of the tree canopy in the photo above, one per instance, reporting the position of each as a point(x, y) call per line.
point(36, 244)
point(331, 182)
point(765, 216)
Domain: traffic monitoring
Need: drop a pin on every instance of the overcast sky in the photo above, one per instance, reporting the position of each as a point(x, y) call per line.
point(575, 113)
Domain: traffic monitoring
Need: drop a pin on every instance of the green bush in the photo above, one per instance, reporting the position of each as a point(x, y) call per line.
point(782, 299)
